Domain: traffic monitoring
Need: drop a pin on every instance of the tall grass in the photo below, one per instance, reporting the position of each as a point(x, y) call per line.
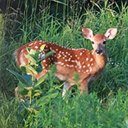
point(105, 106)
point(8, 113)
point(81, 111)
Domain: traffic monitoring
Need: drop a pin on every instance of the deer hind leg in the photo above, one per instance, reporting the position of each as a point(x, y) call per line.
point(84, 87)
point(66, 87)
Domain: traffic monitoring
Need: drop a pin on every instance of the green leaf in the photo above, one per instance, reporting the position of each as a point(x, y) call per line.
point(46, 99)
point(42, 47)
point(21, 85)
point(30, 69)
point(41, 80)
point(31, 59)
point(19, 77)
point(32, 110)
point(37, 93)
point(22, 91)
point(49, 54)
point(31, 51)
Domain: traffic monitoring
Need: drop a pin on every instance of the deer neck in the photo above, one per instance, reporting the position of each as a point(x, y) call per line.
point(101, 59)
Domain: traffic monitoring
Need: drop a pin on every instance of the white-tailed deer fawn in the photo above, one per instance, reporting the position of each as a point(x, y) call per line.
point(87, 64)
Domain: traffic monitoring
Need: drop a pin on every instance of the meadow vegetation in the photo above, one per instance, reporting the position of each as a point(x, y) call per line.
point(106, 106)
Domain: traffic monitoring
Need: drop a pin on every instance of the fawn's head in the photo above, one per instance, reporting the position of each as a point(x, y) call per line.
point(99, 40)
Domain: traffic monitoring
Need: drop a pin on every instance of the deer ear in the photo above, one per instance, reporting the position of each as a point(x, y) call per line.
point(111, 33)
point(87, 33)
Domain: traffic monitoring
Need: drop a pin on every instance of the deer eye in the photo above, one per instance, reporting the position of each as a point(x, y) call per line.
point(92, 42)
point(104, 42)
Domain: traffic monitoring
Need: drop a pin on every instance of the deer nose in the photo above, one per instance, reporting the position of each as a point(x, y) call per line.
point(99, 51)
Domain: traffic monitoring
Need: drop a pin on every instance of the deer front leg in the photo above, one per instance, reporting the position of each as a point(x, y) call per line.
point(84, 86)
point(41, 74)
point(66, 87)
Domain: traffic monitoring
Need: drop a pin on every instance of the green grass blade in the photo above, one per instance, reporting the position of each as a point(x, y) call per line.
point(19, 77)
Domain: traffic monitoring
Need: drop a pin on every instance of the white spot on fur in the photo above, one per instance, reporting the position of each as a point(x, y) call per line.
point(88, 65)
point(58, 62)
point(36, 47)
point(84, 66)
point(87, 59)
point(79, 71)
point(78, 64)
point(83, 63)
point(46, 46)
point(73, 61)
point(50, 48)
point(76, 55)
point(45, 64)
point(69, 59)
point(92, 52)
point(87, 70)
point(76, 61)
point(59, 55)
point(81, 54)
point(92, 64)
point(44, 60)
point(71, 66)
point(62, 64)
point(60, 52)
point(68, 65)
point(91, 59)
